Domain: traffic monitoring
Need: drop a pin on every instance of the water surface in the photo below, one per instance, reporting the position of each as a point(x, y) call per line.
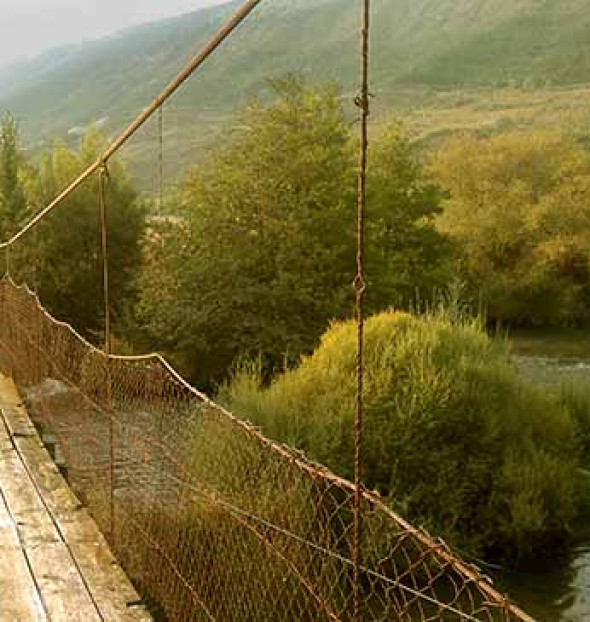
point(557, 590)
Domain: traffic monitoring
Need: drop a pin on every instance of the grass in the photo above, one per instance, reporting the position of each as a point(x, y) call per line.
point(430, 115)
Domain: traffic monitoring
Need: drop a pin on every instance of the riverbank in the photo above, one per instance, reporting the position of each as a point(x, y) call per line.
point(558, 589)
point(558, 343)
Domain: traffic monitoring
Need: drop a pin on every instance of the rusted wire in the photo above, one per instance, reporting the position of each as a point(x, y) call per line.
point(160, 159)
point(208, 481)
point(360, 286)
point(102, 206)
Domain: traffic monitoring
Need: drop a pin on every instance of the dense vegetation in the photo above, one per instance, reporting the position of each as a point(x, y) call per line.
point(260, 254)
point(519, 211)
point(454, 437)
point(61, 257)
point(252, 257)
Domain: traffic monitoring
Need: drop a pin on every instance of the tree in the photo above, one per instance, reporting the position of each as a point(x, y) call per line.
point(261, 254)
point(407, 257)
point(519, 211)
point(61, 258)
point(12, 198)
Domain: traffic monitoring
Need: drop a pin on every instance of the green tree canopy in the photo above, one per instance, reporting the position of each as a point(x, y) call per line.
point(13, 204)
point(406, 256)
point(519, 210)
point(61, 258)
point(260, 254)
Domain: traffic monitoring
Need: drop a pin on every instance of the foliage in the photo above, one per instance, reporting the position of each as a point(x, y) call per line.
point(519, 211)
point(574, 394)
point(61, 258)
point(407, 258)
point(453, 436)
point(12, 198)
point(260, 254)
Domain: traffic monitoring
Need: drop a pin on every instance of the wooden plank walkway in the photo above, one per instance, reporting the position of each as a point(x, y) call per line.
point(54, 563)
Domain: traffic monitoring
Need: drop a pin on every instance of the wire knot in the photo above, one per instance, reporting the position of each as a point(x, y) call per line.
point(360, 284)
point(362, 101)
point(104, 170)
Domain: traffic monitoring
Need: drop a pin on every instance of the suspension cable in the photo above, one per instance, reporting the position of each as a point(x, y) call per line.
point(160, 160)
point(220, 36)
point(102, 177)
point(360, 286)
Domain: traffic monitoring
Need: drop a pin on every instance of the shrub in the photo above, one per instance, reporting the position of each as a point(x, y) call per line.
point(454, 437)
point(574, 394)
point(518, 213)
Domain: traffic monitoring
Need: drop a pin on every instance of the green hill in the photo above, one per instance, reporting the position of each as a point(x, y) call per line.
point(436, 43)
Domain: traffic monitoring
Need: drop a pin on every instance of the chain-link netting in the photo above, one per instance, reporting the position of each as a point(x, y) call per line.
point(211, 520)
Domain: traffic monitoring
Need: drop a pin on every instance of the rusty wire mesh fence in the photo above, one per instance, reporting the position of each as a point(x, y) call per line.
point(210, 519)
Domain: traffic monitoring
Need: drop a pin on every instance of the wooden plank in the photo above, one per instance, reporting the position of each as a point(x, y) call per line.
point(19, 598)
point(58, 579)
point(62, 589)
point(20, 424)
point(34, 523)
point(5, 442)
point(110, 589)
point(107, 583)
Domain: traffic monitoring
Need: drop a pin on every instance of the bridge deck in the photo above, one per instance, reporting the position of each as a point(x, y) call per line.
point(54, 563)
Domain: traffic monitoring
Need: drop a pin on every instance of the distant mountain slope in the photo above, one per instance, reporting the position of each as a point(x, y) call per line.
point(432, 42)
point(539, 42)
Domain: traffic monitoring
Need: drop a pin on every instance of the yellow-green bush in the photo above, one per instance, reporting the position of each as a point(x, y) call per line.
point(518, 212)
point(458, 442)
point(574, 393)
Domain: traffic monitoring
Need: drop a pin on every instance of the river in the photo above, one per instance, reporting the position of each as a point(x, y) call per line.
point(556, 591)
point(559, 590)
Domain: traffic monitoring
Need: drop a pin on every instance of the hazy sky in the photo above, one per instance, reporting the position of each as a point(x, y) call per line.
point(29, 26)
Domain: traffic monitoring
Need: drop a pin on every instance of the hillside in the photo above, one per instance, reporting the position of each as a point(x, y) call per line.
point(434, 43)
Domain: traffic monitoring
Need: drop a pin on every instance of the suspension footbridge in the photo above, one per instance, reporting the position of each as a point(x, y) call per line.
point(208, 518)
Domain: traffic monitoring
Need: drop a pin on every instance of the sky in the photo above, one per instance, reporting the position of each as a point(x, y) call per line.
point(28, 27)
